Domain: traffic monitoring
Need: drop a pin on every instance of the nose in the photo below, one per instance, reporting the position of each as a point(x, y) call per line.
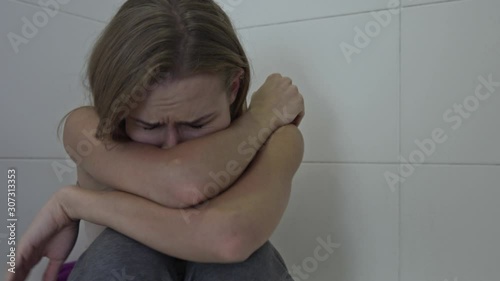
point(171, 138)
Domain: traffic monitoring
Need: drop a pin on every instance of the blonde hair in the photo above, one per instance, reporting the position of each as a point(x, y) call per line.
point(150, 40)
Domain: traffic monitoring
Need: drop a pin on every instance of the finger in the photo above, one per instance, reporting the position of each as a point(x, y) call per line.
point(288, 80)
point(273, 75)
point(8, 276)
point(19, 275)
point(299, 118)
point(21, 270)
point(52, 270)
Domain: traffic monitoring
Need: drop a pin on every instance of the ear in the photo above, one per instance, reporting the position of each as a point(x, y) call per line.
point(235, 86)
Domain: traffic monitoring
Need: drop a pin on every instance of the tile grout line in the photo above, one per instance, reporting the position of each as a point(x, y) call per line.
point(34, 5)
point(316, 18)
point(400, 136)
point(345, 14)
point(251, 26)
point(432, 3)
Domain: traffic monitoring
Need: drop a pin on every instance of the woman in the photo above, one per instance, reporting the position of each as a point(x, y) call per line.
point(190, 183)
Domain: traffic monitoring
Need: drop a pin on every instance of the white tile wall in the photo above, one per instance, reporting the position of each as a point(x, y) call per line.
point(244, 12)
point(41, 79)
point(350, 205)
point(346, 96)
point(449, 224)
point(262, 12)
point(98, 10)
point(434, 222)
point(445, 48)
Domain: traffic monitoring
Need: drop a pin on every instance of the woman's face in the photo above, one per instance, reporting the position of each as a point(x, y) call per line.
point(179, 110)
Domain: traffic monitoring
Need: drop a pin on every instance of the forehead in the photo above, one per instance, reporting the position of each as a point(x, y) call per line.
point(183, 98)
point(196, 87)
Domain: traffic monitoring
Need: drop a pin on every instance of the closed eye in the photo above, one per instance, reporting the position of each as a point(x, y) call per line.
point(158, 125)
point(152, 127)
point(196, 126)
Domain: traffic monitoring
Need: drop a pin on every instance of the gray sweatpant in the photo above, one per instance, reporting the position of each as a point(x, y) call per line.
point(115, 257)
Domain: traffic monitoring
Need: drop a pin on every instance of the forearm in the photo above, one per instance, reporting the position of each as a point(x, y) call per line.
point(155, 226)
point(179, 177)
point(212, 163)
point(257, 201)
point(225, 229)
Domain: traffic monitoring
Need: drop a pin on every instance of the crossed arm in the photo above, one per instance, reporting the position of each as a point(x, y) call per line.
point(175, 177)
point(227, 228)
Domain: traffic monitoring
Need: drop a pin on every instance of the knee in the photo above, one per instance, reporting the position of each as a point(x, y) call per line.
point(114, 254)
point(263, 264)
point(113, 247)
point(111, 241)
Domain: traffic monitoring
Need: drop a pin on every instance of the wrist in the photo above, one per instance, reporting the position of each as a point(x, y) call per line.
point(261, 125)
point(65, 198)
point(261, 121)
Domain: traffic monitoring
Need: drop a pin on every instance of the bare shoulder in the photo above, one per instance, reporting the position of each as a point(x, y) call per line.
point(78, 120)
point(83, 113)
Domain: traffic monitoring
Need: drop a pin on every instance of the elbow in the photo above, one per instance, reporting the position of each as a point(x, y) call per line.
point(183, 189)
point(237, 243)
point(187, 195)
point(191, 185)
point(173, 197)
point(192, 192)
point(233, 250)
point(169, 195)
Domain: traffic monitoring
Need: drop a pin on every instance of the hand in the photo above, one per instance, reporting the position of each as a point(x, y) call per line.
point(277, 103)
point(52, 234)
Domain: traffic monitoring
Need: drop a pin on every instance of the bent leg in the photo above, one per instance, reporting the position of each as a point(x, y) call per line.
point(264, 264)
point(115, 257)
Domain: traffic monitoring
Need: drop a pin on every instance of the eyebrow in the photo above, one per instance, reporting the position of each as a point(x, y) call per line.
point(197, 121)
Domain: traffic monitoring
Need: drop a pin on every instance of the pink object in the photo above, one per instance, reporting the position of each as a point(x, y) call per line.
point(65, 271)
